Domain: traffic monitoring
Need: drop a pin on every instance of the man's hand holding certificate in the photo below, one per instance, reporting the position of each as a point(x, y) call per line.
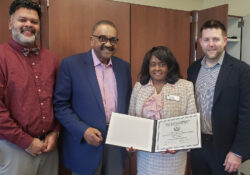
point(174, 133)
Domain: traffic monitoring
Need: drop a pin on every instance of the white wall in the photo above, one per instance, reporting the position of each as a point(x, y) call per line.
point(236, 7)
point(246, 41)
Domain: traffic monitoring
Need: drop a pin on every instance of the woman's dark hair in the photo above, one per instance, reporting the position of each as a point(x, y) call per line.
point(29, 4)
point(165, 55)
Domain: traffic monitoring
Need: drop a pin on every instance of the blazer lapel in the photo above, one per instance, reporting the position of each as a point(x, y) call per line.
point(91, 74)
point(222, 77)
point(196, 72)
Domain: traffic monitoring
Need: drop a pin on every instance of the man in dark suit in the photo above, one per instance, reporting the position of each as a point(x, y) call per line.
point(222, 90)
point(90, 87)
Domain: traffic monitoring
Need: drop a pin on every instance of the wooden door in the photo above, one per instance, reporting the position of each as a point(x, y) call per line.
point(152, 26)
point(71, 22)
point(218, 13)
point(4, 22)
point(44, 36)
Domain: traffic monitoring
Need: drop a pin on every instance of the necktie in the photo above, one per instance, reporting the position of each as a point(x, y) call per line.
point(27, 51)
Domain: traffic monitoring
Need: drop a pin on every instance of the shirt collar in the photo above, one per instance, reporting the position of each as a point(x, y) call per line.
point(15, 45)
point(97, 62)
point(219, 62)
point(150, 83)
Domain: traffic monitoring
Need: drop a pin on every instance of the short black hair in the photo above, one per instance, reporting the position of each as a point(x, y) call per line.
point(164, 54)
point(213, 24)
point(16, 4)
point(104, 22)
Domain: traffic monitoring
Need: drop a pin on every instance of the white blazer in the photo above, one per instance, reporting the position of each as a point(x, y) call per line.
point(177, 99)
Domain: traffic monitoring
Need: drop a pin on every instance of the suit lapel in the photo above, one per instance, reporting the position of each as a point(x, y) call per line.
point(223, 76)
point(91, 74)
point(194, 74)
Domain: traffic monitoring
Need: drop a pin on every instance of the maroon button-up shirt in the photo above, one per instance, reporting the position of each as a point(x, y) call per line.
point(26, 92)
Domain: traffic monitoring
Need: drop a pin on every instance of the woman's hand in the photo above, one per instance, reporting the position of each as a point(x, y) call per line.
point(169, 151)
point(131, 149)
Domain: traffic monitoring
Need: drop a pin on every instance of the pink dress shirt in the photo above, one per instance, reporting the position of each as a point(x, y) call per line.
point(152, 108)
point(107, 84)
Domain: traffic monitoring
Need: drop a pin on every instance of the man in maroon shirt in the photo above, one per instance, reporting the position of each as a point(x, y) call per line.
point(28, 130)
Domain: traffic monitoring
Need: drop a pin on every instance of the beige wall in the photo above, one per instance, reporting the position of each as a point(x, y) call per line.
point(186, 5)
point(236, 7)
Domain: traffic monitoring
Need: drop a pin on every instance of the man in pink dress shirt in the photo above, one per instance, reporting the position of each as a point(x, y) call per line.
point(89, 88)
point(28, 130)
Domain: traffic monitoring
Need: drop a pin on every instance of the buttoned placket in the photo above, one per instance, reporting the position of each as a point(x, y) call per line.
point(36, 73)
point(107, 90)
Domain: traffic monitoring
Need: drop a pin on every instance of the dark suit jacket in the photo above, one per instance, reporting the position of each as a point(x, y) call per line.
point(231, 106)
point(78, 105)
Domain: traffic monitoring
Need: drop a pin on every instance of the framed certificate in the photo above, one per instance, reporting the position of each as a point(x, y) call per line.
point(176, 133)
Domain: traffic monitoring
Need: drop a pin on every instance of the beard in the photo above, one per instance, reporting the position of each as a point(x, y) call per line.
point(25, 40)
point(215, 56)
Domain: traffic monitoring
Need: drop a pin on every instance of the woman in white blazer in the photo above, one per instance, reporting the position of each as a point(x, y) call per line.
point(161, 93)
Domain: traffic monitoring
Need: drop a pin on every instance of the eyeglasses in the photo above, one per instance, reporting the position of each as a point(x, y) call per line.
point(160, 64)
point(104, 39)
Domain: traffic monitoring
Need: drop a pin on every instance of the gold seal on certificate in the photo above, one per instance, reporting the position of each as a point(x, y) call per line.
point(176, 133)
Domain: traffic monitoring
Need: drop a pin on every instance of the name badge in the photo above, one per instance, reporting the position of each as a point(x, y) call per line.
point(173, 97)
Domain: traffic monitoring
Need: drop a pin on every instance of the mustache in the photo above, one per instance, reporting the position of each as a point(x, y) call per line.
point(30, 29)
point(108, 48)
